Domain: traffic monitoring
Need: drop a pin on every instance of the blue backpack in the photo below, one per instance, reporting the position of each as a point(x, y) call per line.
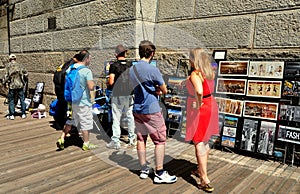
point(53, 108)
point(73, 92)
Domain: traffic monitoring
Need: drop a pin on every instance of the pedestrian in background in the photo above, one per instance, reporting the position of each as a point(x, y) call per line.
point(122, 100)
point(15, 76)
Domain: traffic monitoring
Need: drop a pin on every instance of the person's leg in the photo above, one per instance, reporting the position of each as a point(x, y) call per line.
point(141, 150)
point(130, 119)
point(22, 100)
point(159, 156)
point(116, 114)
point(11, 102)
point(202, 151)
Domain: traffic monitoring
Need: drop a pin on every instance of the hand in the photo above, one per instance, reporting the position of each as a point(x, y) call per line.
point(158, 91)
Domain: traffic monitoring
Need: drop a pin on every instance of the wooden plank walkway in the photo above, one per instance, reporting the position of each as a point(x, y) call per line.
point(30, 163)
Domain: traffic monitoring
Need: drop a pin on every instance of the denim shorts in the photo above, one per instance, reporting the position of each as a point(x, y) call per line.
point(152, 125)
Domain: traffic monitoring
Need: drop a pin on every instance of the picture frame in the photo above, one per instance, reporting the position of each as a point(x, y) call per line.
point(249, 134)
point(266, 138)
point(230, 106)
point(27, 102)
point(264, 88)
point(219, 54)
point(292, 69)
point(228, 141)
point(289, 112)
point(262, 110)
point(231, 121)
point(176, 86)
point(175, 100)
point(229, 131)
point(174, 115)
point(233, 68)
point(291, 88)
point(266, 69)
point(231, 86)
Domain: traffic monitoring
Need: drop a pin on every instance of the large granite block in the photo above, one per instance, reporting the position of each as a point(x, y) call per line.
point(175, 9)
point(278, 29)
point(37, 24)
point(37, 42)
point(76, 16)
point(67, 3)
point(16, 45)
point(34, 7)
point(18, 27)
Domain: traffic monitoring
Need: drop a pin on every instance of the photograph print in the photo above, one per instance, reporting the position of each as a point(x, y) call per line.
point(291, 88)
point(228, 141)
point(266, 138)
point(260, 88)
point(266, 69)
point(289, 112)
point(230, 121)
point(174, 115)
point(230, 106)
point(176, 86)
point(175, 100)
point(231, 86)
point(289, 134)
point(233, 68)
point(249, 134)
point(263, 110)
point(229, 131)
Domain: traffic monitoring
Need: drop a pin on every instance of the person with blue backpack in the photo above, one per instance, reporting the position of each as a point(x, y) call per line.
point(78, 84)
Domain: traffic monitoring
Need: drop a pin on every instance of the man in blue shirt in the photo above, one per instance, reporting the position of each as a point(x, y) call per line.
point(148, 85)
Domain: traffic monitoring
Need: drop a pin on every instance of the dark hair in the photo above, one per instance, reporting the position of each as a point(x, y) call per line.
point(82, 55)
point(146, 48)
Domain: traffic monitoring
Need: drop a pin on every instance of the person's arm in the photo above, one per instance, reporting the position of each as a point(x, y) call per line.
point(90, 84)
point(111, 79)
point(197, 80)
point(162, 89)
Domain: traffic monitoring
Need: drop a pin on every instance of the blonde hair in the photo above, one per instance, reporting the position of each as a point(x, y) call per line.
point(202, 62)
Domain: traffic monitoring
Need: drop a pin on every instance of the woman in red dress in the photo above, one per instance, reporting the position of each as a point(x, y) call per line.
point(202, 111)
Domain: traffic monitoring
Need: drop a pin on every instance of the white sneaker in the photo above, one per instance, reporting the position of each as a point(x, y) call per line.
point(23, 116)
point(113, 145)
point(165, 178)
point(145, 173)
point(11, 117)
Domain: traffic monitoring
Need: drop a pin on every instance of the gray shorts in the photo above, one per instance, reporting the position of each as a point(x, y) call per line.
point(83, 117)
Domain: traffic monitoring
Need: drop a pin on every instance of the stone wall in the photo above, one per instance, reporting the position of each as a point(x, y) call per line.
point(247, 29)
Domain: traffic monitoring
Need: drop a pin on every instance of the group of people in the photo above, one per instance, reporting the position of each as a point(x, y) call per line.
point(143, 110)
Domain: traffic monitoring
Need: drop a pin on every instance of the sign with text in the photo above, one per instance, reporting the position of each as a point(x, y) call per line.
point(289, 134)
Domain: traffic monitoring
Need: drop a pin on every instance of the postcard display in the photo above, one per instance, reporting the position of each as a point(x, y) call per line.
point(258, 104)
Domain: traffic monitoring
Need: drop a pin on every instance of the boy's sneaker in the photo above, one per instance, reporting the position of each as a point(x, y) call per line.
point(89, 146)
point(145, 173)
point(60, 144)
point(23, 116)
point(11, 117)
point(113, 145)
point(165, 178)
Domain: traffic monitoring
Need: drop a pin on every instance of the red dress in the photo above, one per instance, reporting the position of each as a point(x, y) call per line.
point(201, 123)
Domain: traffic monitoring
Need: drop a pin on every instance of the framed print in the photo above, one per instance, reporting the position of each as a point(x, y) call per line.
point(229, 131)
point(262, 110)
point(289, 113)
point(261, 88)
point(176, 86)
point(27, 102)
point(231, 86)
point(233, 68)
point(249, 134)
point(230, 121)
point(39, 87)
point(292, 69)
point(289, 134)
point(174, 115)
point(175, 100)
point(266, 69)
point(266, 138)
point(228, 141)
point(219, 54)
point(291, 88)
point(230, 106)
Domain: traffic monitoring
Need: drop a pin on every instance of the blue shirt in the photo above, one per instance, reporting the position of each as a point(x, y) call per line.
point(145, 97)
point(85, 75)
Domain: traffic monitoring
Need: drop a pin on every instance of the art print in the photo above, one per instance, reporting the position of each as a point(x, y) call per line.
point(175, 100)
point(266, 69)
point(231, 121)
point(230, 106)
point(266, 138)
point(174, 115)
point(231, 86)
point(229, 131)
point(291, 88)
point(263, 110)
point(176, 86)
point(233, 68)
point(249, 134)
point(261, 88)
point(228, 141)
